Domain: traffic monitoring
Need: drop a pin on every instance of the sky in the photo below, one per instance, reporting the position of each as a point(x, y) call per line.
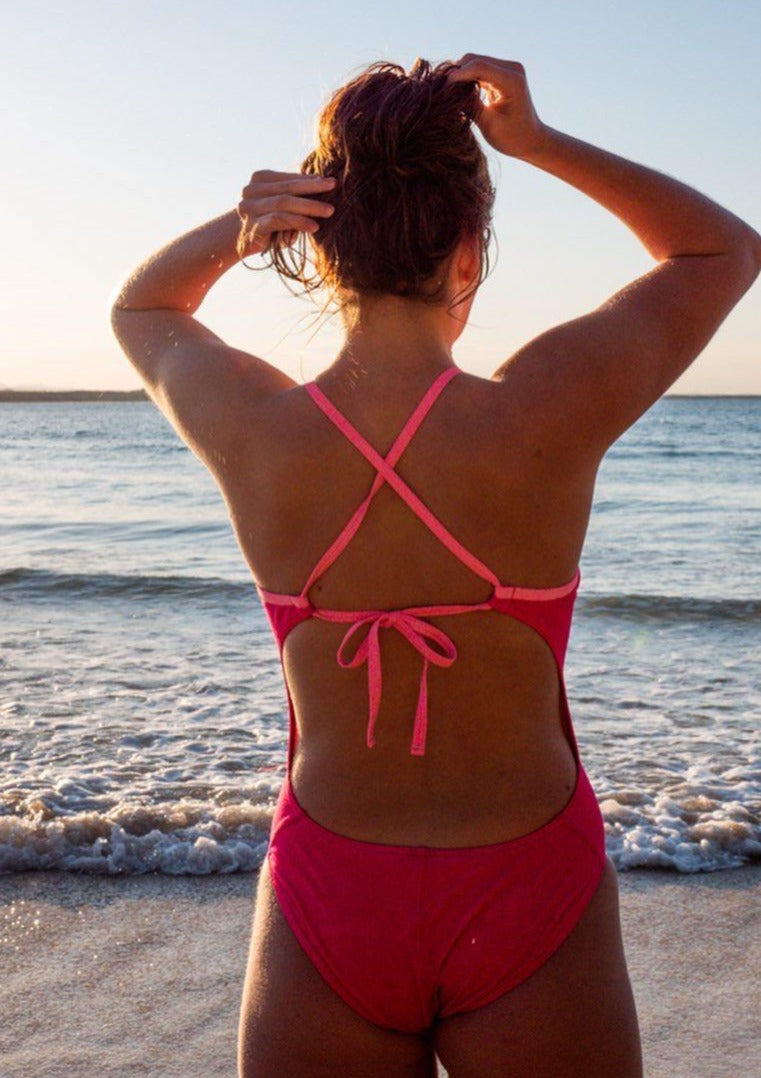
point(131, 124)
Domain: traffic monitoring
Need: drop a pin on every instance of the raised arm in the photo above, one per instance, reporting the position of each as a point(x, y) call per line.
point(596, 374)
point(204, 387)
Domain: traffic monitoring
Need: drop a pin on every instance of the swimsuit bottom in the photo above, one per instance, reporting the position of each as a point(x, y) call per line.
point(409, 934)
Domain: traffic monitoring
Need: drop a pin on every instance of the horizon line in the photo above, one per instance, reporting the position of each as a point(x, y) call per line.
point(7, 395)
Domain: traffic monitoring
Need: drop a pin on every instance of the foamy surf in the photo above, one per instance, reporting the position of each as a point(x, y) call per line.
point(702, 826)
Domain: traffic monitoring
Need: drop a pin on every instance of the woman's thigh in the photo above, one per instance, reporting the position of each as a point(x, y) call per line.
point(292, 1023)
point(575, 1017)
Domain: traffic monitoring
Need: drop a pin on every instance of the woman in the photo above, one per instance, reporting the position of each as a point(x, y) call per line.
point(436, 881)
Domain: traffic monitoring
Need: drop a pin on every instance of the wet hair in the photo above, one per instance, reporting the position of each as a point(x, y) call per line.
point(412, 181)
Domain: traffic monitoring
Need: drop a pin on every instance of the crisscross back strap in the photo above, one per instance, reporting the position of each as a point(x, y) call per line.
point(401, 442)
point(387, 473)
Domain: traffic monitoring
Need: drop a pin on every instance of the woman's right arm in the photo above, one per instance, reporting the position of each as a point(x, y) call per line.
point(600, 372)
point(597, 374)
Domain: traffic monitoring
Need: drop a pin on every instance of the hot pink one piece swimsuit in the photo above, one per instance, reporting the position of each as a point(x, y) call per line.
point(409, 934)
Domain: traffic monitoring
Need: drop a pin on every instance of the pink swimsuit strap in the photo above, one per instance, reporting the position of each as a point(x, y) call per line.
point(287, 611)
point(401, 442)
point(434, 646)
point(386, 472)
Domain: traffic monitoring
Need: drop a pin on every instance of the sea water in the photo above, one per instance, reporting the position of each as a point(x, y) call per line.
point(142, 708)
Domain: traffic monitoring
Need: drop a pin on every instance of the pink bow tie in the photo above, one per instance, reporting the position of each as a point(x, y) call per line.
point(421, 634)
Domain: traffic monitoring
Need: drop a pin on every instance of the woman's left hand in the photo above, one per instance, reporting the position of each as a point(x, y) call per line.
point(280, 202)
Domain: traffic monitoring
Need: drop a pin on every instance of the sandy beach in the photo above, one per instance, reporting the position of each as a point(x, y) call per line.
point(142, 975)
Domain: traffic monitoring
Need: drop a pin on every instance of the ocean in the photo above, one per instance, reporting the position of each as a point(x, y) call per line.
point(142, 710)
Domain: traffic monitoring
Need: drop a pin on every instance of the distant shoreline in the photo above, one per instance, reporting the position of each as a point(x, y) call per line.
point(47, 396)
point(31, 396)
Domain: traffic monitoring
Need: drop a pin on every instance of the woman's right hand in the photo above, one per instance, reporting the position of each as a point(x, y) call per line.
point(508, 120)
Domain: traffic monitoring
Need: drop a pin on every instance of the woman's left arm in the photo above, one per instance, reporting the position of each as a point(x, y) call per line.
point(179, 275)
point(204, 387)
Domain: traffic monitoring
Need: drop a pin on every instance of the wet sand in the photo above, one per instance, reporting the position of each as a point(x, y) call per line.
point(142, 975)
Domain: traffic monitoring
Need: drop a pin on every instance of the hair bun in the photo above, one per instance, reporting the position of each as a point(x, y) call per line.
point(412, 181)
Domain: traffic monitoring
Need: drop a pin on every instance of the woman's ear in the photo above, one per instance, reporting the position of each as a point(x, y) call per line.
point(468, 258)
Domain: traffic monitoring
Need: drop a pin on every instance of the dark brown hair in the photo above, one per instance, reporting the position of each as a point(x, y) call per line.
point(412, 181)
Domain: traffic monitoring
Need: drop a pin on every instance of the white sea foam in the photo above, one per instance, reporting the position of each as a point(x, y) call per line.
point(184, 838)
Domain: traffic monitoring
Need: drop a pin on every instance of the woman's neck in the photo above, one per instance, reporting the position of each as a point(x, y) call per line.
point(395, 342)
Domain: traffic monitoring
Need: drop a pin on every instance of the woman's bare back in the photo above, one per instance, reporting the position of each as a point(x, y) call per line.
point(498, 763)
